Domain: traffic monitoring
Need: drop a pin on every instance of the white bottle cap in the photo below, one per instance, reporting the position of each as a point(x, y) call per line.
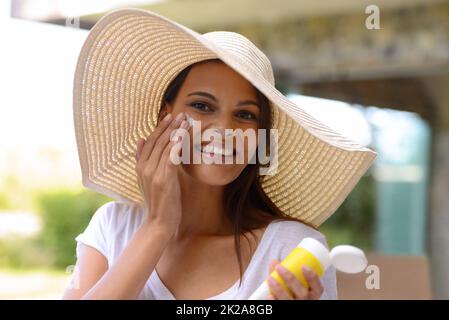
point(318, 249)
point(348, 259)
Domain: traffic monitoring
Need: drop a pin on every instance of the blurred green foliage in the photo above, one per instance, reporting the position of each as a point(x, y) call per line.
point(4, 201)
point(24, 253)
point(11, 194)
point(353, 222)
point(65, 214)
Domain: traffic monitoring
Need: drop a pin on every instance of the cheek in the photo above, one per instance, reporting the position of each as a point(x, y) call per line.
point(251, 146)
point(176, 108)
point(249, 143)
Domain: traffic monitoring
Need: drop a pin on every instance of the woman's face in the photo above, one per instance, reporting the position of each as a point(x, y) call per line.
point(219, 98)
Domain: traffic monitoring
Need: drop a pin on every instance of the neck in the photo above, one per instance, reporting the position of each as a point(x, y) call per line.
point(202, 209)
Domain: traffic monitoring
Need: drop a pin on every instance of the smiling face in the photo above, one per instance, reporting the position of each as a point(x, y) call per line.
point(219, 98)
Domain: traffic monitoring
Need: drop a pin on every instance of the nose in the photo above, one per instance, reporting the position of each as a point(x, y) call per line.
point(220, 124)
point(224, 132)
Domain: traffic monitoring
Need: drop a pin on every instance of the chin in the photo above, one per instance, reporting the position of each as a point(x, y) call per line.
point(214, 174)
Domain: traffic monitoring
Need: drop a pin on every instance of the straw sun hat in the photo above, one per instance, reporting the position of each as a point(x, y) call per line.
point(129, 58)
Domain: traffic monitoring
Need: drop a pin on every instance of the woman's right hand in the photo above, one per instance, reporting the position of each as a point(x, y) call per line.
point(157, 175)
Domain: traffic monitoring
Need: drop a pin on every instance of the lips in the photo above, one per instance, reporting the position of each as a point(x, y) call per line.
point(212, 149)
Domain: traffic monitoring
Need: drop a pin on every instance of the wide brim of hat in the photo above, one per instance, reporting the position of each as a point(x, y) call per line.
point(126, 63)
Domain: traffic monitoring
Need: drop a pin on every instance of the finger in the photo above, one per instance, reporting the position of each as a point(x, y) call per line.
point(174, 153)
point(273, 264)
point(151, 139)
point(165, 158)
point(316, 287)
point(300, 292)
point(171, 136)
point(173, 158)
point(277, 290)
point(140, 144)
point(160, 170)
point(163, 140)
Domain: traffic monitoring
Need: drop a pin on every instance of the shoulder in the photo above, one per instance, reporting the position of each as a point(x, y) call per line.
point(111, 227)
point(288, 229)
point(288, 234)
point(115, 215)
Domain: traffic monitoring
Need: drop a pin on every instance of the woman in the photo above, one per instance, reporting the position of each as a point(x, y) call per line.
point(179, 236)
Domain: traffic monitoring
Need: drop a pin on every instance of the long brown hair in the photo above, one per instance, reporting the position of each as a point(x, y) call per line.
point(245, 191)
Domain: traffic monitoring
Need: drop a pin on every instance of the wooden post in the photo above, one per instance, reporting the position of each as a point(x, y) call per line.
point(439, 189)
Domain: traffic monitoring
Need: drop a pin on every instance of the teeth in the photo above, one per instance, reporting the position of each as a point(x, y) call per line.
point(217, 150)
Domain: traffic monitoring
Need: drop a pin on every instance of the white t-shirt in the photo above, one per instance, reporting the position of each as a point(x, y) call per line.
point(114, 223)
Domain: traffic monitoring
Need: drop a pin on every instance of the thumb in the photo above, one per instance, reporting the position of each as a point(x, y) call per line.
point(273, 264)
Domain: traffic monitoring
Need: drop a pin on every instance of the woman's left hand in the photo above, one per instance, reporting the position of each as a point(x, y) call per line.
point(299, 291)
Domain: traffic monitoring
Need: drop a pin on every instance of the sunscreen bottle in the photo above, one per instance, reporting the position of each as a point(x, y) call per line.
point(314, 254)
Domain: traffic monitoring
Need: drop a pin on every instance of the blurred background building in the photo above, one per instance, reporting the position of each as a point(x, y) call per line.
point(377, 71)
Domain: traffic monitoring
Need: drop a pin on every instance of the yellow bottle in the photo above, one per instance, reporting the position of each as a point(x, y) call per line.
point(314, 254)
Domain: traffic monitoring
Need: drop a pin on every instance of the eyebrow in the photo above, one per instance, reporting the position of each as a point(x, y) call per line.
point(213, 98)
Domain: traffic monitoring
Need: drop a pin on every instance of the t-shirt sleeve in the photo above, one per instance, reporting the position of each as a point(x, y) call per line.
point(95, 234)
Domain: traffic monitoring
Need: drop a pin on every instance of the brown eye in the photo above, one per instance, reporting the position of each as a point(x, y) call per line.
point(246, 115)
point(200, 106)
